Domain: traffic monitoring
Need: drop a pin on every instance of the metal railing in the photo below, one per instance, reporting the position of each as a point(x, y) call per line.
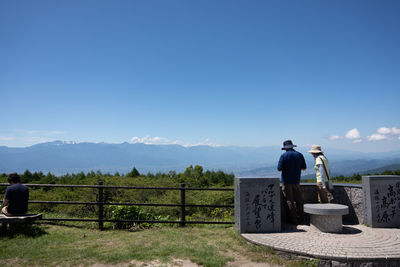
point(101, 203)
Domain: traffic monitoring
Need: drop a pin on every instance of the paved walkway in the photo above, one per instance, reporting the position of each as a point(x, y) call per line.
point(355, 243)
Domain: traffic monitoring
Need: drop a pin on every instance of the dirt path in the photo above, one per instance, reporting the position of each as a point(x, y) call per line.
point(240, 261)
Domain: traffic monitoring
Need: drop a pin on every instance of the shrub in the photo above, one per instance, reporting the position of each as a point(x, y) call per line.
point(133, 213)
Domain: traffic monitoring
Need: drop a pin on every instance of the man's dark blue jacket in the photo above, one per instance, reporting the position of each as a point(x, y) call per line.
point(291, 163)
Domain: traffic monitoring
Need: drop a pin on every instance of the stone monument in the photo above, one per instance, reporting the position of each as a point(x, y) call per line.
point(257, 205)
point(382, 200)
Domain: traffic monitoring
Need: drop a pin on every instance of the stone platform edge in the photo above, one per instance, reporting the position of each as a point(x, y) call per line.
point(327, 257)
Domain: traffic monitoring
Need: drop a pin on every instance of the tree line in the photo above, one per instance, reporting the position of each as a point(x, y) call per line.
point(357, 177)
point(193, 176)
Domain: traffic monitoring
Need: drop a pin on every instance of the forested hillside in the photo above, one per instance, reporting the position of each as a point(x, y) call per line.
point(192, 177)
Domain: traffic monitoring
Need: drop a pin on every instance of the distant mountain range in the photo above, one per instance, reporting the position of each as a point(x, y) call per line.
point(60, 157)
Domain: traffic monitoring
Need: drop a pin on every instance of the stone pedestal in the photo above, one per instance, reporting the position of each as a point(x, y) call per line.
point(327, 223)
point(257, 205)
point(382, 200)
point(326, 217)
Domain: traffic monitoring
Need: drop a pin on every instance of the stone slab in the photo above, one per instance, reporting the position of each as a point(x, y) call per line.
point(326, 209)
point(382, 200)
point(257, 205)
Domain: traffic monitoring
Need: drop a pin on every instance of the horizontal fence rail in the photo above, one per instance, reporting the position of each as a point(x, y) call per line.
point(100, 203)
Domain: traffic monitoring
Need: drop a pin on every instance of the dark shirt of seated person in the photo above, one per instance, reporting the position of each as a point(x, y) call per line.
point(15, 200)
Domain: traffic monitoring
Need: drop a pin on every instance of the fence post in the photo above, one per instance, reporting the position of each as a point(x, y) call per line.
point(101, 201)
point(183, 202)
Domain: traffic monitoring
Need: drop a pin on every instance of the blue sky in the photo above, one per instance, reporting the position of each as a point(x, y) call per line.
point(246, 73)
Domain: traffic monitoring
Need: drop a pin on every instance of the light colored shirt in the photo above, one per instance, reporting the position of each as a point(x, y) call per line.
point(320, 170)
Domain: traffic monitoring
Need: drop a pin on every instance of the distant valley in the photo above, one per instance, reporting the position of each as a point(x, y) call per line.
point(60, 157)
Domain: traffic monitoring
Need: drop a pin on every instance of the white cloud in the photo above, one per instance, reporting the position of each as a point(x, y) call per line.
point(6, 138)
point(353, 134)
point(384, 130)
point(165, 141)
point(395, 130)
point(205, 142)
point(384, 133)
point(152, 140)
point(377, 137)
point(335, 137)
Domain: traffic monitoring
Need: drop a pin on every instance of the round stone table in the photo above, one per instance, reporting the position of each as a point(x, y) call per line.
point(326, 217)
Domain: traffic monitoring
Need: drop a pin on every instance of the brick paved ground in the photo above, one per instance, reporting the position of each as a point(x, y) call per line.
point(357, 243)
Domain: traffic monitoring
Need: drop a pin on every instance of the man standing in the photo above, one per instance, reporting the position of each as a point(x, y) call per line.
point(15, 200)
point(290, 164)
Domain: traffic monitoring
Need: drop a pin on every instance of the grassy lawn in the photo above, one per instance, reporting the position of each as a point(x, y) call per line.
point(63, 245)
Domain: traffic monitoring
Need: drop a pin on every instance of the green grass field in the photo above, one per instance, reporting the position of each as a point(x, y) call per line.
point(66, 245)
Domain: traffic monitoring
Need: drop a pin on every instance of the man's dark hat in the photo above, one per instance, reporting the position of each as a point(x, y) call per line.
point(288, 144)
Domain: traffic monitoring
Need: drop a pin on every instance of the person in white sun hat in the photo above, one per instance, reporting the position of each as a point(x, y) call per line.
point(323, 173)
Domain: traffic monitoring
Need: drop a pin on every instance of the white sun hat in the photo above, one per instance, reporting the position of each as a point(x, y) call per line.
point(315, 149)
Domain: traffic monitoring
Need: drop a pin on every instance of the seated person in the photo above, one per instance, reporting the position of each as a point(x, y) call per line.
point(15, 200)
